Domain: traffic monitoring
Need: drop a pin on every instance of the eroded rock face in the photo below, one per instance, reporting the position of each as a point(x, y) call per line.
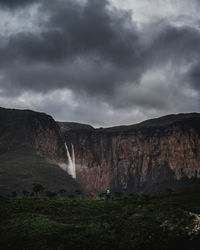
point(147, 157)
point(25, 130)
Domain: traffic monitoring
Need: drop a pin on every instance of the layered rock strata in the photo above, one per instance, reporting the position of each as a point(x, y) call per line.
point(147, 157)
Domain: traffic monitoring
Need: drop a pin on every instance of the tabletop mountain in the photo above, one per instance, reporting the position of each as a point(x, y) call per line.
point(147, 157)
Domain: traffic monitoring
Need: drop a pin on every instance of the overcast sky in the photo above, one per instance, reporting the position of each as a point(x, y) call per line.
point(102, 62)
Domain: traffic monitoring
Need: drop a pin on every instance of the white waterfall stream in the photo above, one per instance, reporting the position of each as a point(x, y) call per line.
point(71, 161)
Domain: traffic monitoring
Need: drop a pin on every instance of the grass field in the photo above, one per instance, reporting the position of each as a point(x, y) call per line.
point(162, 221)
point(20, 170)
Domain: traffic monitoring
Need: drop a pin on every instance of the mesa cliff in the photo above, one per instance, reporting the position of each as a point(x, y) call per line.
point(143, 158)
point(26, 130)
point(147, 157)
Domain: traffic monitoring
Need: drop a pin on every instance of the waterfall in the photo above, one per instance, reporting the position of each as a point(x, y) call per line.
point(71, 161)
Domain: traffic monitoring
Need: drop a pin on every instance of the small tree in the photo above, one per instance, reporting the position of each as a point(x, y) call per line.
point(38, 189)
point(101, 195)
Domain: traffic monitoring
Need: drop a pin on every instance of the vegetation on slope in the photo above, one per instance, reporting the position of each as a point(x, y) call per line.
point(164, 221)
point(19, 171)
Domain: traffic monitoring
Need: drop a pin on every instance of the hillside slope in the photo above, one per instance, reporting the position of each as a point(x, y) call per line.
point(19, 171)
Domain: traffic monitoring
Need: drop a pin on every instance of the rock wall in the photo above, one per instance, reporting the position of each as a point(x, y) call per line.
point(148, 157)
point(25, 130)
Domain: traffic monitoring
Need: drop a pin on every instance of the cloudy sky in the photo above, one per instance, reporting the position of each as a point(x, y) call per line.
point(102, 62)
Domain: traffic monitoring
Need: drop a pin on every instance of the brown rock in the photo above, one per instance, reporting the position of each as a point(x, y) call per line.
point(147, 157)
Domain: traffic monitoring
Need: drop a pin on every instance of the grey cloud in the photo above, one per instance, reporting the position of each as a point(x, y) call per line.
point(105, 41)
point(177, 44)
point(180, 47)
point(83, 75)
point(16, 3)
point(93, 28)
point(73, 30)
point(194, 76)
point(97, 52)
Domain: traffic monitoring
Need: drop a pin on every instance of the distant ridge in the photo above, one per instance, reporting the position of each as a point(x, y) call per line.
point(162, 121)
point(66, 126)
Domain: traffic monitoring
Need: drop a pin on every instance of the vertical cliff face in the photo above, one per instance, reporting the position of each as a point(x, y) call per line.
point(147, 157)
point(25, 130)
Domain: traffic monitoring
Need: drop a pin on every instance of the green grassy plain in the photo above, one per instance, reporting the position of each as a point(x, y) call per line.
point(20, 170)
point(161, 221)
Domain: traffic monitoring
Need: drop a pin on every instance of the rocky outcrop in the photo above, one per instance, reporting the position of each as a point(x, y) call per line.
point(147, 157)
point(25, 130)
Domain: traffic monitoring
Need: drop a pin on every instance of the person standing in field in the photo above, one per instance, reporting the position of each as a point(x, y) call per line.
point(107, 194)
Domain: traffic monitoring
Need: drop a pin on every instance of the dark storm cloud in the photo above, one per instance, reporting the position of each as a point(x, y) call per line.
point(92, 49)
point(75, 30)
point(176, 44)
point(95, 29)
point(16, 3)
point(194, 76)
point(180, 47)
point(90, 36)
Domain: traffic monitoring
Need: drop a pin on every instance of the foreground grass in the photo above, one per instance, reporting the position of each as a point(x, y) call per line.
point(166, 221)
